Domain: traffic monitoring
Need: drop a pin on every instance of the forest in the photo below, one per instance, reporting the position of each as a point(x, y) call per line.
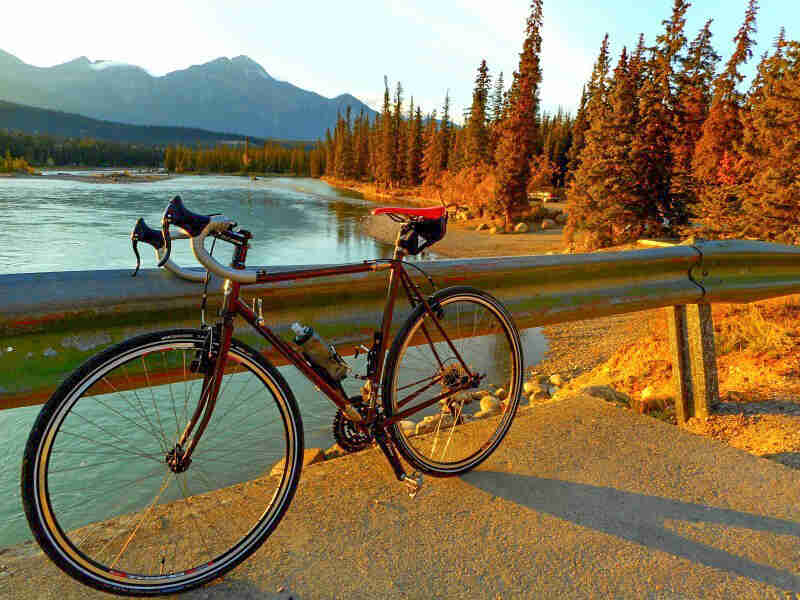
point(664, 144)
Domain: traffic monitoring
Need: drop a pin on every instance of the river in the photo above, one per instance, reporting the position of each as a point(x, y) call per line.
point(64, 225)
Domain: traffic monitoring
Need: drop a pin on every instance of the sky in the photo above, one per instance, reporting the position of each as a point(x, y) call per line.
point(430, 46)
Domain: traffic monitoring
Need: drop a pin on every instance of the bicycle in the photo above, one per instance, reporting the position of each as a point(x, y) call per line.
point(131, 487)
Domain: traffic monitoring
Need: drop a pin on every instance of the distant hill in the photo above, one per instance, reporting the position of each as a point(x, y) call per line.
point(235, 95)
point(31, 120)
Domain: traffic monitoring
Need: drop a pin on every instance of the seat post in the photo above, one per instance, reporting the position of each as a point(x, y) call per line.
point(399, 253)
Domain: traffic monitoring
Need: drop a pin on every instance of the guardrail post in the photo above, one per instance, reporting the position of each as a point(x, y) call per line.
point(704, 358)
point(691, 334)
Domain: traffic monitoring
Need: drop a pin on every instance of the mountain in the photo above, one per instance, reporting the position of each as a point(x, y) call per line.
point(31, 120)
point(235, 95)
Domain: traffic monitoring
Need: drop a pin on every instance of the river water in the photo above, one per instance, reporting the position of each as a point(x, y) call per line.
point(66, 225)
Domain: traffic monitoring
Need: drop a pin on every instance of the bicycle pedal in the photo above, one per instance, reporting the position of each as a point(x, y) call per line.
point(413, 482)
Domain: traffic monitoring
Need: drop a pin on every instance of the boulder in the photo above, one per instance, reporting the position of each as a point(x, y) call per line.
point(310, 456)
point(539, 396)
point(556, 380)
point(482, 227)
point(529, 387)
point(500, 393)
point(496, 229)
point(548, 224)
point(490, 404)
point(334, 451)
point(408, 428)
point(607, 393)
point(521, 228)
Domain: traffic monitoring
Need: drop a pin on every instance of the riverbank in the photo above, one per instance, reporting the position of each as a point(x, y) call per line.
point(103, 178)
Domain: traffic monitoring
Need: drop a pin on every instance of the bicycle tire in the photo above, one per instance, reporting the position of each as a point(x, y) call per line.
point(198, 520)
point(471, 418)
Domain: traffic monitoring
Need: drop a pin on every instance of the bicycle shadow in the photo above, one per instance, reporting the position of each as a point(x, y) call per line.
point(641, 519)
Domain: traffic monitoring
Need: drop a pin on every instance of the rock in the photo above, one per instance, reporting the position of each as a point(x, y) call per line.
point(310, 456)
point(607, 393)
point(539, 396)
point(496, 230)
point(529, 387)
point(556, 380)
point(490, 404)
point(521, 228)
point(500, 393)
point(334, 451)
point(430, 423)
point(548, 224)
point(86, 342)
point(542, 379)
point(482, 227)
point(48, 352)
point(408, 428)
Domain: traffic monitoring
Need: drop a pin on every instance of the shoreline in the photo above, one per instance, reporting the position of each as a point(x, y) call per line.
point(110, 178)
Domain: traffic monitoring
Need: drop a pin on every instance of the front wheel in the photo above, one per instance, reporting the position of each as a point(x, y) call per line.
point(98, 489)
point(454, 377)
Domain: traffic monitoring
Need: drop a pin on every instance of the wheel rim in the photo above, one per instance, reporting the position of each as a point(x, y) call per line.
point(461, 429)
point(111, 505)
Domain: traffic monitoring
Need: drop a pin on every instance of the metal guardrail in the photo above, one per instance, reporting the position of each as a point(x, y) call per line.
point(75, 313)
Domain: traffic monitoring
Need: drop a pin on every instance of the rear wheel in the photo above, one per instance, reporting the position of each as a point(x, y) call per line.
point(99, 492)
point(468, 357)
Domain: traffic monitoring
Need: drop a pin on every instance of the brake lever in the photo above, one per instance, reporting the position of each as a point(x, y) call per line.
point(135, 244)
point(167, 241)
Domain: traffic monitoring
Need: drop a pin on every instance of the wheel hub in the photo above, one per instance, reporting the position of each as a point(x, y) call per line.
point(176, 459)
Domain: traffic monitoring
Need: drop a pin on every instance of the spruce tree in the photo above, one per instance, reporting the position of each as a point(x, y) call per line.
point(399, 135)
point(692, 101)
point(432, 155)
point(415, 147)
point(718, 207)
point(476, 146)
point(445, 131)
point(518, 130)
point(593, 103)
point(771, 146)
point(385, 174)
point(604, 199)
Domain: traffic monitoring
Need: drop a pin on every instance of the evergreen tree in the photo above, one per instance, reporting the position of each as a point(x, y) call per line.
point(518, 131)
point(399, 135)
point(476, 148)
point(432, 155)
point(445, 131)
point(604, 199)
point(415, 147)
point(386, 164)
point(692, 100)
point(594, 104)
point(718, 207)
point(330, 155)
point(771, 140)
point(498, 99)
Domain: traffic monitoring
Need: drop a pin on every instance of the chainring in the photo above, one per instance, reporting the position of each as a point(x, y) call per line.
point(347, 434)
